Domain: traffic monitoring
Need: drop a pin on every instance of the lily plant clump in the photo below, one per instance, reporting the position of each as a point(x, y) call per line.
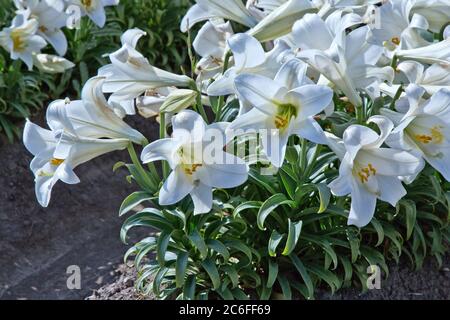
point(39, 23)
point(309, 143)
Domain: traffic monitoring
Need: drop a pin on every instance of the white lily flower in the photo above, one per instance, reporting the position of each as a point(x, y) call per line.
point(150, 103)
point(130, 74)
point(95, 9)
point(282, 107)
point(249, 57)
point(435, 11)
point(51, 18)
point(209, 9)
point(90, 117)
point(280, 21)
point(51, 64)
point(194, 171)
point(438, 52)
point(432, 79)
point(350, 63)
point(395, 29)
point(423, 127)
point(57, 156)
point(21, 41)
point(211, 45)
point(369, 172)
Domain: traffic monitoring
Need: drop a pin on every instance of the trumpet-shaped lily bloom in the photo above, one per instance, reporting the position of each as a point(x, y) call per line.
point(280, 21)
point(435, 11)
point(438, 52)
point(249, 57)
point(423, 127)
point(369, 172)
point(350, 63)
point(51, 64)
point(57, 155)
point(395, 29)
point(209, 9)
point(21, 40)
point(195, 171)
point(130, 74)
point(211, 45)
point(432, 79)
point(280, 109)
point(95, 9)
point(91, 117)
point(51, 18)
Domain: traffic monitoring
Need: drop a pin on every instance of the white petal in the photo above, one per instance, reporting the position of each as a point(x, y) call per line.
point(163, 149)
point(311, 99)
point(261, 92)
point(202, 197)
point(362, 207)
point(231, 174)
point(247, 51)
point(176, 187)
point(38, 140)
point(311, 32)
point(356, 137)
point(309, 129)
point(391, 189)
point(132, 36)
point(188, 125)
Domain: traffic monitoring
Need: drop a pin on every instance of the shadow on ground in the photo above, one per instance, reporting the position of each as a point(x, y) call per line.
point(80, 227)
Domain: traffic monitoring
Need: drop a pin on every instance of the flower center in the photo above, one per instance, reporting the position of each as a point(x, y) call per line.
point(285, 113)
point(436, 136)
point(395, 40)
point(366, 172)
point(86, 3)
point(19, 43)
point(188, 162)
point(56, 162)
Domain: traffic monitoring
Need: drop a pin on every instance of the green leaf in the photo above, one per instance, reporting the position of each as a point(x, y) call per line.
point(304, 274)
point(189, 288)
point(219, 247)
point(270, 205)
point(211, 269)
point(285, 287)
point(327, 276)
point(324, 195)
point(273, 273)
point(379, 230)
point(178, 100)
point(289, 184)
point(161, 246)
point(182, 262)
point(231, 272)
point(133, 200)
point(199, 243)
point(246, 206)
point(274, 241)
point(295, 229)
point(410, 215)
point(240, 246)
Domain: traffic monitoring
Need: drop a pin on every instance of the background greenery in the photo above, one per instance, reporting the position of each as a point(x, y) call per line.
point(23, 93)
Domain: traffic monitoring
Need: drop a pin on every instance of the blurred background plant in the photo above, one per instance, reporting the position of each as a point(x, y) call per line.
point(24, 93)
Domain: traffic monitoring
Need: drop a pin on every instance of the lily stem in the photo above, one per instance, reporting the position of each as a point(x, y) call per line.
point(220, 101)
point(162, 135)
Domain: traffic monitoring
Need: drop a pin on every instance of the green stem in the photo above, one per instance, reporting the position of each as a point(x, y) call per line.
point(162, 135)
point(396, 97)
point(221, 100)
point(359, 114)
point(303, 155)
point(313, 161)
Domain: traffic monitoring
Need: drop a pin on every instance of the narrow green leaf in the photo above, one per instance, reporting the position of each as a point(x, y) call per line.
point(180, 271)
point(295, 229)
point(211, 269)
point(199, 243)
point(161, 246)
point(218, 247)
point(189, 288)
point(270, 205)
point(274, 241)
point(133, 200)
point(304, 274)
point(273, 273)
point(285, 287)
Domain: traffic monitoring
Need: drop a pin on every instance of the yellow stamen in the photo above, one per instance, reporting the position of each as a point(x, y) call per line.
point(284, 115)
point(365, 173)
point(190, 169)
point(424, 138)
point(56, 162)
point(395, 40)
point(19, 44)
point(86, 3)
